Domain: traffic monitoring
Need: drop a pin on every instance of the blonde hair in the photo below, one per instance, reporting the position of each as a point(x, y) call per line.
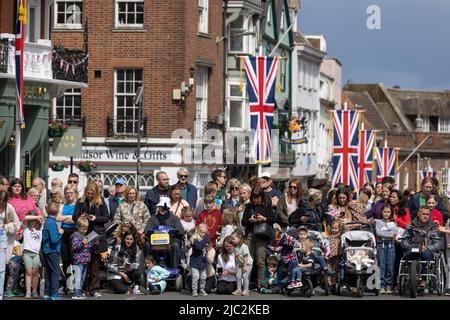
point(230, 217)
point(82, 222)
point(97, 200)
point(196, 235)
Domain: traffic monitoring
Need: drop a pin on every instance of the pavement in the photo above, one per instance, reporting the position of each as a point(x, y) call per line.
point(185, 295)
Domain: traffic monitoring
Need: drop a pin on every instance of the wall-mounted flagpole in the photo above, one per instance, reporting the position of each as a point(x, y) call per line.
point(17, 153)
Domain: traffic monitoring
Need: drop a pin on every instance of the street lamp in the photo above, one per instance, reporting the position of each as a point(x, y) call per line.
point(138, 103)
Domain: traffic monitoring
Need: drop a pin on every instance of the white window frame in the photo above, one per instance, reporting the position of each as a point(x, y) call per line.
point(125, 94)
point(244, 106)
point(66, 25)
point(425, 123)
point(201, 99)
point(282, 22)
point(241, 30)
point(36, 5)
point(444, 125)
point(128, 25)
point(444, 182)
point(203, 12)
point(68, 92)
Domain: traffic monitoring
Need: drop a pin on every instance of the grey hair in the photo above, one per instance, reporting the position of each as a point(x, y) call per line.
point(41, 181)
point(159, 174)
point(314, 194)
point(58, 180)
point(183, 170)
point(233, 182)
point(112, 188)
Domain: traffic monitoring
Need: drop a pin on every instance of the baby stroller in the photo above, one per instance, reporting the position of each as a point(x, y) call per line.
point(359, 263)
point(159, 241)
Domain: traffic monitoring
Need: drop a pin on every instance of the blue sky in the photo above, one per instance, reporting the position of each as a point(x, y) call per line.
point(412, 48)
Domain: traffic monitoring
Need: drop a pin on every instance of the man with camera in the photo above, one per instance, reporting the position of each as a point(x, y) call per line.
point(164, 217)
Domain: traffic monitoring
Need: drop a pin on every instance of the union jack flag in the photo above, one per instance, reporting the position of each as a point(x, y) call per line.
point(386, 159)
point(290, 257)
point(261, 80)
point(365, 157)
point(345, 147)
point(429, 172)
point(21, 21)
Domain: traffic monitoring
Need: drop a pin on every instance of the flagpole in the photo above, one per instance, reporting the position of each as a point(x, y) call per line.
point(18, 154)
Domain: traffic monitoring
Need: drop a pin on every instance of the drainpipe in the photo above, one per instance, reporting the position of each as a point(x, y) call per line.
point(225, 71)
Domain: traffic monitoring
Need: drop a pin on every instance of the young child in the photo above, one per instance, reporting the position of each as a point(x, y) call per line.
point(198, 261)
point(273, 276)
point(435, 214)
point(81, 254)
point(386, 231)
point(32, 237)
point(51, 247)
point(230, 224)
point(306, 263)
point(335, 248)
point(155, 276)
point(211, 217)
point(303, 234)
point(14, 269)
point(243, 262)
point(187, 218)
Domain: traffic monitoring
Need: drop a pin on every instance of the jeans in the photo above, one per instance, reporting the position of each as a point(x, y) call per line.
point(297, 273)
point(196, 275)
point(386, 259)
point(52, 272)
point(243, 278)
point(80, 274)
point(3, 245)
point(257, 248)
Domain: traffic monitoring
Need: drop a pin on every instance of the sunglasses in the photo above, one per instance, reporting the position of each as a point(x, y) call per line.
point(72, 181)
point(234, 188)
point(183, 176)
point(293, 187)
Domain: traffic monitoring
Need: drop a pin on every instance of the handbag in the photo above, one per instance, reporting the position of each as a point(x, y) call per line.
point(263, 230)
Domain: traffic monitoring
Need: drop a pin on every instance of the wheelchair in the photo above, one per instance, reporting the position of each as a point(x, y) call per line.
point(413, 269)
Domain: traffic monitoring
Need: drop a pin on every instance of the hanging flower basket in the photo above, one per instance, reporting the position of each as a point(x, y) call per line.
point(57, 165)
point(56, 128)
point(86, 166)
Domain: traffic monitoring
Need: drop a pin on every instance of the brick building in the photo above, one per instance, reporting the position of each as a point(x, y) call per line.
point(44, 80)
point(170, 48)
point(408, 119)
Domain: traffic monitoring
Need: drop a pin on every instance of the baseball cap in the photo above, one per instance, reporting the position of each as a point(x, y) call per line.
point(163, 202)
point(265, 175)
point(120, 181)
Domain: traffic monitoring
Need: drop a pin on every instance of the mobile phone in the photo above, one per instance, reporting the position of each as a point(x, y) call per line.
point(219, 269)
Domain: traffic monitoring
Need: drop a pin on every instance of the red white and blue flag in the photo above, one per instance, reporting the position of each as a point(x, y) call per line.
point(345, 147)
point(365, 157)
point(386, 162)
point(21, 21)
point(429, 172)
point(261, 81)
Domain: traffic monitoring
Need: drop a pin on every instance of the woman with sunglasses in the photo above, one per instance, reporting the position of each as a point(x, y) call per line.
point(36, 195)
point(65, 217)
point(290, 201)
point(233, 190)
point(177, 203)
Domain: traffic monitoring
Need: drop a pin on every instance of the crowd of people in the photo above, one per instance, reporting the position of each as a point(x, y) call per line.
point(221, 243)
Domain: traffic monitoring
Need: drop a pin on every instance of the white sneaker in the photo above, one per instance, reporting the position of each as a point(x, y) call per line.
point(382, 291)
point(136, 290)
point(97, 295)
